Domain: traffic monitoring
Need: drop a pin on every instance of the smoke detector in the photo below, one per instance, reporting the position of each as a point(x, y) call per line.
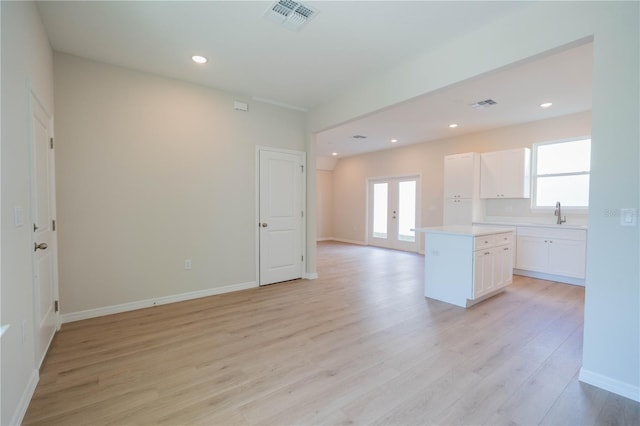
point(483, 104)
point(292, 15)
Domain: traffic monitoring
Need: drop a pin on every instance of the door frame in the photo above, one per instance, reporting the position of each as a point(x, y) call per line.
point(34, 98)
point(303, 205)
point(368, 218)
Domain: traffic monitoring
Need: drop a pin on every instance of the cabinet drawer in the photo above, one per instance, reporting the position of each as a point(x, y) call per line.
point(484, 241)
point(502, 239)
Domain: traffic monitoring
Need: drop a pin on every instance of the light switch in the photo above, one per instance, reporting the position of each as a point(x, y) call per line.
point(628, 217)
point(18, 216)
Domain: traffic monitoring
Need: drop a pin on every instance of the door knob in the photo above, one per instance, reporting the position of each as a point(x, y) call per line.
point(264, 224)
point(41, 246)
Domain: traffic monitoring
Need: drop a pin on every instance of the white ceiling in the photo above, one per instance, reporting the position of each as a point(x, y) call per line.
point(563, 78)
point(251, 55)
point(345, 42)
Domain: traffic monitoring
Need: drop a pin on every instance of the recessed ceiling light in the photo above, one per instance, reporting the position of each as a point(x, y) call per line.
point(334, 154)
point(199, 59)
point(546, 105)
point(394, 140)
point(453, 125)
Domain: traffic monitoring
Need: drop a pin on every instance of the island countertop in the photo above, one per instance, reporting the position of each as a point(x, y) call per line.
point(469, 230)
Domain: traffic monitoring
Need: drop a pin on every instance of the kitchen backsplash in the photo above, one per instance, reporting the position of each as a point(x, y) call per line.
point(519, 210)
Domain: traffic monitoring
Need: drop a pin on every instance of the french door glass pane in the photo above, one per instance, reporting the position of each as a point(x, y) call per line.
point(380, 200)
point(406, 210)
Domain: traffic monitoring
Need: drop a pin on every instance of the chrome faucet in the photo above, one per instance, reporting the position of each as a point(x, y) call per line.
point(558, 213)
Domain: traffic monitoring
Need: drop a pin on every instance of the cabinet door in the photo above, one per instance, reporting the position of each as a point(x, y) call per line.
point(482, 272)
point(490, 166)
point(567, 258)
point(457, 212)
point(505, 174)
point(459, 176)
point(503, 275)
point(533, 253)
point(515, 182)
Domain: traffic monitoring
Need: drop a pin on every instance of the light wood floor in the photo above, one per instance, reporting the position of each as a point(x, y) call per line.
point(360, 345)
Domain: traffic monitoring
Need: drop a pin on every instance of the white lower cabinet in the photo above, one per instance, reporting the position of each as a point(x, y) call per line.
point(533, 253)
point(492, 267)
point(483, 264)
point(560, 252)
point(467, 264)
point(504, 265)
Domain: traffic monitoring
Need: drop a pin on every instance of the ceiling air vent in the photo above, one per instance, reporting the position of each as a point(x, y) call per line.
point(484, 104)
point(290, 14)
point(359, 137)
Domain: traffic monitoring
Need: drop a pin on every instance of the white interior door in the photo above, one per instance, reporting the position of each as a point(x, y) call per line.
point(393, 212)
point(44, 240)
point(281, 216)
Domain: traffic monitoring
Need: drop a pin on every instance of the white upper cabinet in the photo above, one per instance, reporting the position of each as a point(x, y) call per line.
point(461, 172)
point(506, 174)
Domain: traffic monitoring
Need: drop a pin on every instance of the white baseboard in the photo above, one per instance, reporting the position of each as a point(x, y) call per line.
point(323, 239)
point(25, 399)
point(310, 276)
point(132, 306)
point(550, 277)
point(609, 384)
point(342, 240)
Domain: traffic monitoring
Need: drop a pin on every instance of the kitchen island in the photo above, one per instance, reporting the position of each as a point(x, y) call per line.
point(467, 264)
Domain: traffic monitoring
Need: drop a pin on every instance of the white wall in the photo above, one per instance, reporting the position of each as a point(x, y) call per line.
point(611, 355)
point(324, 206)
point(26, 64)
point(426, 159)
point(612, 322)
point(150, 172)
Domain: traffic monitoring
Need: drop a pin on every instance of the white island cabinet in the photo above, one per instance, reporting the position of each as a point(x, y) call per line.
point(467, 264)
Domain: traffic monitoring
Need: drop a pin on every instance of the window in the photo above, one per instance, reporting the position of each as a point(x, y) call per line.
point(561, 173)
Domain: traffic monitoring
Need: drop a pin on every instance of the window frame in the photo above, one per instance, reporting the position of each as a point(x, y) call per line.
point(534, 177)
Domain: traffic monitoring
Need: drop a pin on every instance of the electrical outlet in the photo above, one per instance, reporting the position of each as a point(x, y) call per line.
point(187, 264)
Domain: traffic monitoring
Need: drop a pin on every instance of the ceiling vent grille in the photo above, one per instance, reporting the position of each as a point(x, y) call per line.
point(290, 14)
point(359, 137)
point(483, 104)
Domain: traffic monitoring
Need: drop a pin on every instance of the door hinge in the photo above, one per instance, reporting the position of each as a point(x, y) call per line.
point(302, 214)
point(302, 168)
point(302, 258)
point(51, 143)
point(53, 224)
point(35, 227)
point(55, 306)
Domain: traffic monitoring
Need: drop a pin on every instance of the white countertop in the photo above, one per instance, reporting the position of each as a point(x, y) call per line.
point(534, 225)
point(472, 230)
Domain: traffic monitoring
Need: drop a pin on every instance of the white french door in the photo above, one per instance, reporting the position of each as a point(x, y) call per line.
point(393, 212)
